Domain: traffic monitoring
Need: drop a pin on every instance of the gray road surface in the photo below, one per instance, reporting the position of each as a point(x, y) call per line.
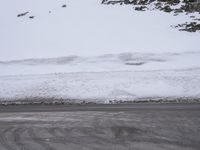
point(100, 127)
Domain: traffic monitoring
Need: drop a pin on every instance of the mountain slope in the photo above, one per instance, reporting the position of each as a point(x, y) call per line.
point(87, 28)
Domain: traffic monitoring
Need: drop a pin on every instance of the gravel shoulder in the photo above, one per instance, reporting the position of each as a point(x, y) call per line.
point(99, 107)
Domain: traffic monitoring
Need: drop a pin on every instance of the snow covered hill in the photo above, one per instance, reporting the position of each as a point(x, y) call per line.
point(93, 52)
point(87, 28)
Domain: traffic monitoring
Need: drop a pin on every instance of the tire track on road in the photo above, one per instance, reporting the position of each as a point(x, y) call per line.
point(39, 140)
point(4, 140)
point(18, 138)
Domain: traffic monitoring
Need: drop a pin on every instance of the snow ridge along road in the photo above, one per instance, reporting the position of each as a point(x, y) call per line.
point(122, 77)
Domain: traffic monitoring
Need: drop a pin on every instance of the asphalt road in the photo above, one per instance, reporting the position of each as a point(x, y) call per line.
point(100, 127)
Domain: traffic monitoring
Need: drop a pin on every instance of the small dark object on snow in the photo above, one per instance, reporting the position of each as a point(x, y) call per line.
point(192, 16)
point(22, 14)
point(49, 11)
point(31, 17)
point(64, 6)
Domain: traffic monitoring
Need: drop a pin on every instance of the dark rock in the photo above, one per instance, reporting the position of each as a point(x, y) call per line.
point(178, 11)
point(141, 8)
point(31, 17)
point(151, 1)
point(171, 2)
point(189, 1)
point(142, 2)
point(22, 14)
point(158, 5)
point(128, 2)
point(103, 1)
point(135, 63)
point(64, 6)
point(167, 8)
point(196, 19)
point(191, 27)
point(191, 7)
point(192, 16)
point(176, 1)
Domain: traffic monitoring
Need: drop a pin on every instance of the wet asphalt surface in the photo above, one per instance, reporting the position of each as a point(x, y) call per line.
point(100, 127)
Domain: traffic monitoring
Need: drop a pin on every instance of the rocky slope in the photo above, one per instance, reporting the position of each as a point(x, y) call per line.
point(177, 7)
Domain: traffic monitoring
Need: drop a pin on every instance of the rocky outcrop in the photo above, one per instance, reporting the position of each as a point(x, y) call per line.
point(190, 27)
point(22, 14)
point(187, 6)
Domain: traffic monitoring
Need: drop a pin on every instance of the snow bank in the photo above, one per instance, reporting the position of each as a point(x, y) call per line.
point(102, 87)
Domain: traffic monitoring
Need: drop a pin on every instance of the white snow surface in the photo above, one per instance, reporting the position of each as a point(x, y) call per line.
point(125, 76)
point(93, 52)
point(102, 63)
point(85, 27)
